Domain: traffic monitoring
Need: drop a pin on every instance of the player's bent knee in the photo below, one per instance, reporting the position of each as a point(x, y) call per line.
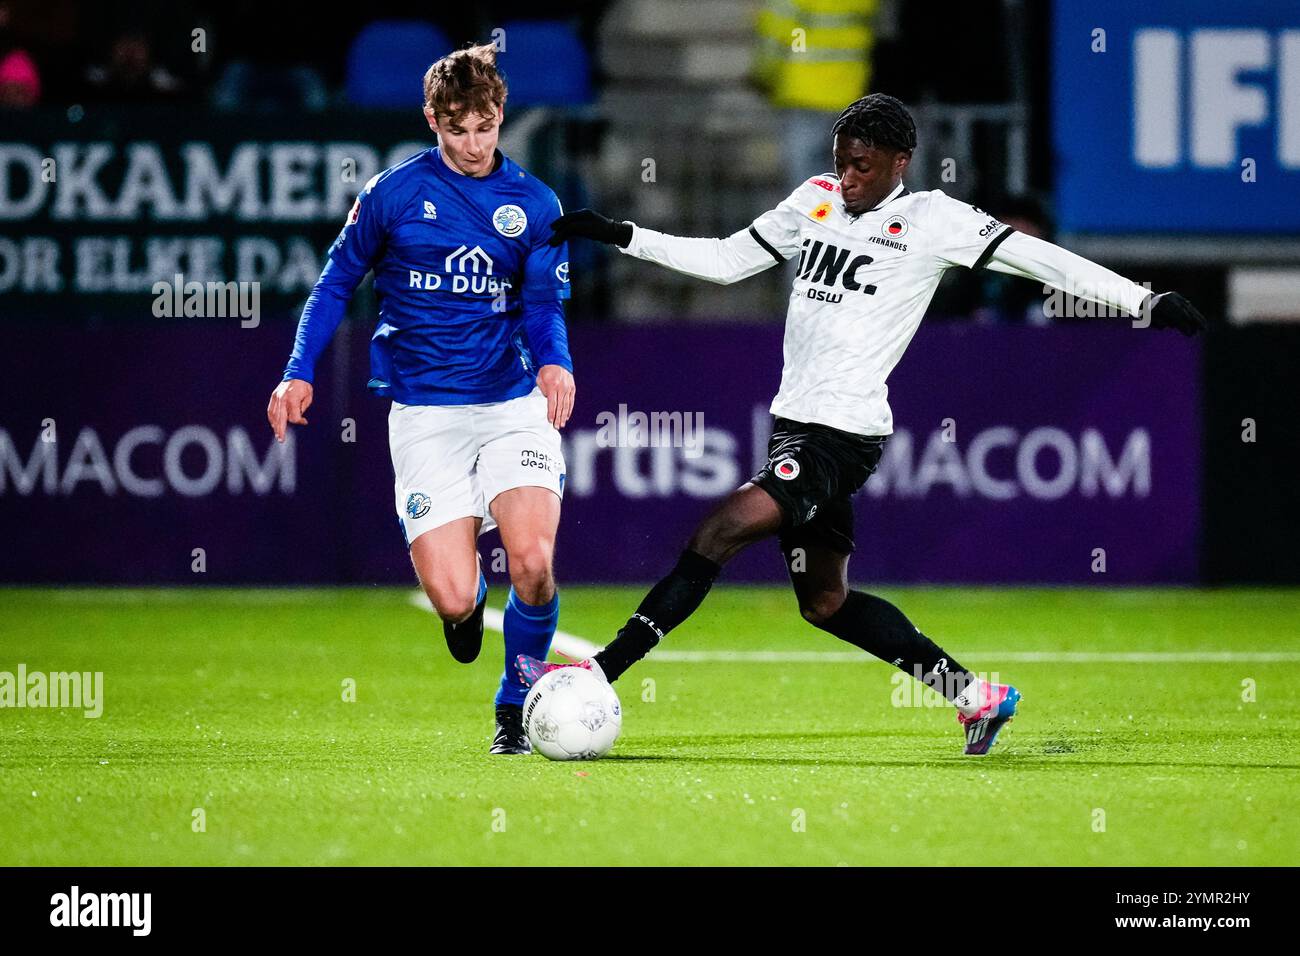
point(530, 566)
point(452, 606)
point(717, 537)
point(821, 607)
point(530, 572)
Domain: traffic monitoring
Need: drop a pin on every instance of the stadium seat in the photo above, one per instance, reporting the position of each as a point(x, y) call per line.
point(545, 64)
point(387, 60)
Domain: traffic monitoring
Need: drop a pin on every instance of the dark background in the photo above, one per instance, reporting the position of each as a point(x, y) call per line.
point(933, 56)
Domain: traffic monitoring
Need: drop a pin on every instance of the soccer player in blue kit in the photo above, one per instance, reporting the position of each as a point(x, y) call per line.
point(472, 348)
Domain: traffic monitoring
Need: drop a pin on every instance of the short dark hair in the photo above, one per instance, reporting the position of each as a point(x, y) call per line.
point(879, 120)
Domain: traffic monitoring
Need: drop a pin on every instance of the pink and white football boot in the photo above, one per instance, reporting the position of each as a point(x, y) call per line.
point(995, 709)
point(531, 669)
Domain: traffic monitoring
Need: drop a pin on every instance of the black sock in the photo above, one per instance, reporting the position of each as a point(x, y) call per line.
point(879, 628)
point(669, 602)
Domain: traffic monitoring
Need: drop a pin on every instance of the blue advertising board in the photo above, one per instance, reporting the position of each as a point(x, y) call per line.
point(1177, 116)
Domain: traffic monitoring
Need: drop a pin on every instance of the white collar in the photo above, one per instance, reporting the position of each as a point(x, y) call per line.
point(888, 199)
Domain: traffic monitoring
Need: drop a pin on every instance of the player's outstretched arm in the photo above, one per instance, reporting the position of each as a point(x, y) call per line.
point(321, 316)
point(718, 260)
point(1170, 310)
point(589, 224)
point(353, 254)
point(1033, 258)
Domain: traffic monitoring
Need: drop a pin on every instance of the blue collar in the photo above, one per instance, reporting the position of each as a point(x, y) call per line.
point(501, 172)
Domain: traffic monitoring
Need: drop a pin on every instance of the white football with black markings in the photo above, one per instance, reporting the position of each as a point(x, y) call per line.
point(571, 714)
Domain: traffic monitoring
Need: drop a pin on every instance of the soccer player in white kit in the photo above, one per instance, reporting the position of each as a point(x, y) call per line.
point(870, 255)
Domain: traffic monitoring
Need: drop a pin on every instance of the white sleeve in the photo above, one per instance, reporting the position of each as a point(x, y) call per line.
point(1032, 258)
point(737, 257)
point(963, 234)
point(773, 238)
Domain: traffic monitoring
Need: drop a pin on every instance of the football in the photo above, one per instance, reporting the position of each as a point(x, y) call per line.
point(571, 714)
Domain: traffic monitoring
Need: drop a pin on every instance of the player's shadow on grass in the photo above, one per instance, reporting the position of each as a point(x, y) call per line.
point(723, 740)
point(1007, 759)
point(711, 749)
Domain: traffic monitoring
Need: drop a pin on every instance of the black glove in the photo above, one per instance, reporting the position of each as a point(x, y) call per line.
point(589, 224)
point(1169, 310)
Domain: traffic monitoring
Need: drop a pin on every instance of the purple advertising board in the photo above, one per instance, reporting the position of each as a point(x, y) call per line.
point(140, 454)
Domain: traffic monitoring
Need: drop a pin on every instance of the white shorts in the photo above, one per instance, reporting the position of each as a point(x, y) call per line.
point(451, 461)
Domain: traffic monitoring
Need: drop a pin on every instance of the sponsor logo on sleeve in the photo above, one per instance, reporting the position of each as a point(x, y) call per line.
point(821, 212)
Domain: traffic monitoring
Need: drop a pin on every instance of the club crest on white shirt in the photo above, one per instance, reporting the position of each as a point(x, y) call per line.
point(895, 227)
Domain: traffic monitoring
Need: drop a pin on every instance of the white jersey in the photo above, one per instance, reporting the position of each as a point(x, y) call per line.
point(864, 283)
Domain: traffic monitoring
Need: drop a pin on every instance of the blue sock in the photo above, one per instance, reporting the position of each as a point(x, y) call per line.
point(529, 630)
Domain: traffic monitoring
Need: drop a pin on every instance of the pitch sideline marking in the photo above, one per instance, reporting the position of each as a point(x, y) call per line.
point(570, 645)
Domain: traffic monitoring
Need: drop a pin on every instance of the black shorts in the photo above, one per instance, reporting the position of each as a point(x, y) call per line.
point(812, 471)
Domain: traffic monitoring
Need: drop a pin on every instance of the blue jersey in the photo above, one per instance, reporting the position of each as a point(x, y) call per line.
point(470, 294)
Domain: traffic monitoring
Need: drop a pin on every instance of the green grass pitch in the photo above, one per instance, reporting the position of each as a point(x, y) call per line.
point(231, 701)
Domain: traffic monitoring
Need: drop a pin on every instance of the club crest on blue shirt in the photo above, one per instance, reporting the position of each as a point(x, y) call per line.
point(509, 220)
point(417, 504)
